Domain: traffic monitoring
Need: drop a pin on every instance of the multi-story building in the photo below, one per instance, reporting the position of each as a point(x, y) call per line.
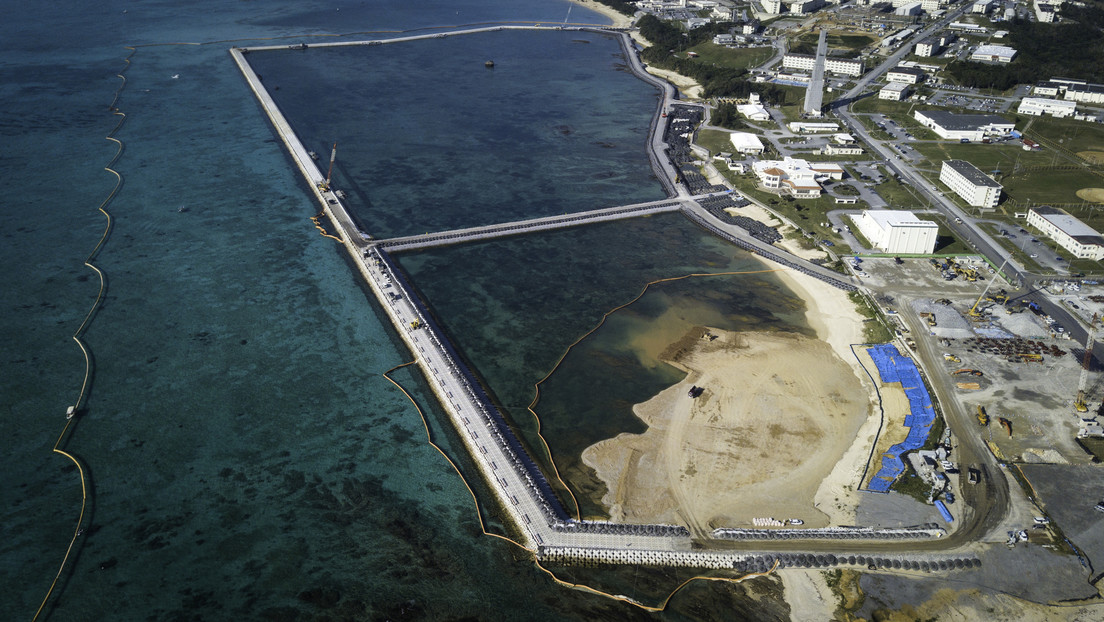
point(970, 127)
point(982, 6)
point(928, 47)
point(802, 7)
point(908, 75)
point(1067, 231)
point(895, 91)
point(1047, 88)
point(897, 232)
point(968, 182)
point(1038, 106)
point(1072, 90)
point(839, 66)
point(1087, 93)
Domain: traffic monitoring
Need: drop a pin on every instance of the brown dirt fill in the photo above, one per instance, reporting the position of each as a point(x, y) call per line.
point(778, 412)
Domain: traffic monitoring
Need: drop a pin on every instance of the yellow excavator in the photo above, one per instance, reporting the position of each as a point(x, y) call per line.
point(982, 416)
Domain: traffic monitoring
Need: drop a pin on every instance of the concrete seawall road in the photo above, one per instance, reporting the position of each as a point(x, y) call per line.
point(488, 232)
point(518, 485)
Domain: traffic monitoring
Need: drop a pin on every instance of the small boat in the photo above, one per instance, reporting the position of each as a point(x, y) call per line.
point(313, 155)
point(489, 64)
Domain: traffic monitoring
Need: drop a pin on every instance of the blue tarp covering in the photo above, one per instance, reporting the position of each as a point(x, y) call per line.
point(944, 511)
point(892, 367)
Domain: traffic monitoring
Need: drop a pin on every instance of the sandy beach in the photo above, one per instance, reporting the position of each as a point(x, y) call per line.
point(782, 430)
point(617, 19)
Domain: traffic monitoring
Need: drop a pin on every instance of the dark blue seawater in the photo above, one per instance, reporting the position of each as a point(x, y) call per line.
point(245, 457)
point(430, 139)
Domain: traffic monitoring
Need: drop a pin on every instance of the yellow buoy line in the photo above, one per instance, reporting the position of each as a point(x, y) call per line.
point(71, 413)
point(536, 562)
point(537, 387)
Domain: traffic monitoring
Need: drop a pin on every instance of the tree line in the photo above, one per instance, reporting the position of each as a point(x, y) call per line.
point(1072, 50)
point(668, 40)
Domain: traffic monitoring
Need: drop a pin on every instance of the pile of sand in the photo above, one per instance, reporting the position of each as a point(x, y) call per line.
point(782, 429)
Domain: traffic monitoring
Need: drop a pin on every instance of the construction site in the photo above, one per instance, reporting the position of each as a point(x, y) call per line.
point(1011, 382)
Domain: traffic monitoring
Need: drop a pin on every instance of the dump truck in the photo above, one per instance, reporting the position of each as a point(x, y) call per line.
point(947, 356)
point(982, 416)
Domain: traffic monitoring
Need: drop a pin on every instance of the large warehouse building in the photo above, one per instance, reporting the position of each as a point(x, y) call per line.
point(968, 182)
point(1070, 233)
point(952, 126)
point(897, 233)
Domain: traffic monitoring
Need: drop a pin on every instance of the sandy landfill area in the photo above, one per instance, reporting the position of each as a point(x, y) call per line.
point(783, 428)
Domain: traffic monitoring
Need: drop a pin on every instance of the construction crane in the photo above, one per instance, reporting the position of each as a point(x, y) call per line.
point(325, 186)
point(973, 312)
point(1086, 361)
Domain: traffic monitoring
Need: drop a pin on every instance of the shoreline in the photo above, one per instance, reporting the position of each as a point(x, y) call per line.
point(711, 461)
point(617, 20)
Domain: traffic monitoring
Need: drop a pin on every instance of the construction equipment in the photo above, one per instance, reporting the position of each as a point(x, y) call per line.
point(416, 324)
point(982, 416)
point(947, 356)
point(967, 273)
point(929, 318)
point(325, 185)
point(1006, 423)
point(973, 313)
point(1031, 358)
point(1086, 362)
point(972, 372)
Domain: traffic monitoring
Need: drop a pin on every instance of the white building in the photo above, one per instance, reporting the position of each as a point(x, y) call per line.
point(755, 112)
point(803, 7)
point(839, 66)
point(796, 177)
point(908, 75)
point(1045, 12)
point(831, 149)
point(968, 182)
point(800, 127)
point(744, 142)
point(897, 232)
point(724, 39)
point(982, 6)
point(1038, 106)
point(1048, 88)
point(971, 127)
point(773, 7)
point(928, 47)
point(910, 9)
point(993, 53)
point(927, 5)
point(1070, 233)
point(1088, 93)
point(895, 91)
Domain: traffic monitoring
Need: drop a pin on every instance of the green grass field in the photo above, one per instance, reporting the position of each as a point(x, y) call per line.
point(733, 58)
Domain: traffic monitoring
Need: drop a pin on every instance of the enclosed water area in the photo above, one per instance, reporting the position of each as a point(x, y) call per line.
point(893, 367)
point(430, 139)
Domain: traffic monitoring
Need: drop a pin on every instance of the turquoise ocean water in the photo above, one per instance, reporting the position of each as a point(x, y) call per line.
point(246, 459)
